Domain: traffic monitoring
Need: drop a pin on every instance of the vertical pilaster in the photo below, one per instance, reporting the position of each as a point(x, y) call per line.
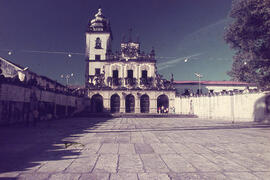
point(137, 103)
point(153, 105)
point(122, 103)
point(106, 104)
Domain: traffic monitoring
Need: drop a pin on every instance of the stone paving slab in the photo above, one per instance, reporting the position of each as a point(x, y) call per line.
point(95, 176)
point(153, 163)
point(109, 148)
point(124, 176)
point(201, 163)
point(154, 176)
point(107, 163)
point(66, 176)
point(83, 164)
point(241, 175)
point(130, 163)
point(33, 176)
point(176, 163)
point(143, 148)
point(55, 166)
point(126, 149)
point(262, 175)
point(136, 148)
point(247, 162)
point(162, 148)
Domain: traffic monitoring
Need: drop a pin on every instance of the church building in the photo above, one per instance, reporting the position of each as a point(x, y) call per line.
point(125, 81)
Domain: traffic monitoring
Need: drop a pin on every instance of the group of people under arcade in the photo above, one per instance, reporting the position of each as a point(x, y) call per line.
point(162, 109)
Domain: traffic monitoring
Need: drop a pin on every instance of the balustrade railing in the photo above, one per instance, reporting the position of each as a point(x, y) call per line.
point(130, 81)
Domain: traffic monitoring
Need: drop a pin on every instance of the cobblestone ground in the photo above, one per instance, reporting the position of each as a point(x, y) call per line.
point(135, 148)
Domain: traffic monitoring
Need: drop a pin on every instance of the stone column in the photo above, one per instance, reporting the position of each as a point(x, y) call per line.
point(153, 105)
point(138, 75)
point(110, 70)
point(106, 102)
point(137, 102)
point(123, 75)
point(122, 103)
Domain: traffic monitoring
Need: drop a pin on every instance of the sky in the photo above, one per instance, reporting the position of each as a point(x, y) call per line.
point(38, 31)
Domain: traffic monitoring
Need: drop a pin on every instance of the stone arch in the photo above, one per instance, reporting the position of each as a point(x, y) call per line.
point(144, 103)
point(97, 103)
point(162, 101)
point(115, 103)
point(130, 103)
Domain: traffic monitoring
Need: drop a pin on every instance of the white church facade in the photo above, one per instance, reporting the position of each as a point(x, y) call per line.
point(126, 81)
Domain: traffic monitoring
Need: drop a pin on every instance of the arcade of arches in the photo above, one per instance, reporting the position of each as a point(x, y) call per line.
point(129, 103)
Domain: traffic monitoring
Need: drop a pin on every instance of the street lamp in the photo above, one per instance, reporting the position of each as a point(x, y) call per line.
point(67, 77)
point(199, 76)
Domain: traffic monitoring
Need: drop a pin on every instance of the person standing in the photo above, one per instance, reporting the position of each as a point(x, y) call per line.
point(162, 109)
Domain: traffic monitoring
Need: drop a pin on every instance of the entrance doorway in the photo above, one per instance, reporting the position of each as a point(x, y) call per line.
point(115, 104)
point(144, 103)
point(163, 103)
point(97, 103)
point(130, 103)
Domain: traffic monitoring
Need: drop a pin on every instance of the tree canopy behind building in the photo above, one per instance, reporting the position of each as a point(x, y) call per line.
point(249, 35)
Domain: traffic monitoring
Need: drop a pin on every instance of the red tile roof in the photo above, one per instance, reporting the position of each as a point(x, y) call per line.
point(213, 82)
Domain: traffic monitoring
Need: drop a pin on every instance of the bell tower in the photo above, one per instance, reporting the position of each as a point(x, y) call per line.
point(98, 44)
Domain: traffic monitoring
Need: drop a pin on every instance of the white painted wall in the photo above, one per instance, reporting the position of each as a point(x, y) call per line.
point(239, 107)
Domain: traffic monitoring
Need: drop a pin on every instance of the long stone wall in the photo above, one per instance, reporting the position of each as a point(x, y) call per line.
point(237, 107)
point(17, 104)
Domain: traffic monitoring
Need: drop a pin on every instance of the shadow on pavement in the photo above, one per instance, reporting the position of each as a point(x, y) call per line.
point(26, 148)
point(184, 128)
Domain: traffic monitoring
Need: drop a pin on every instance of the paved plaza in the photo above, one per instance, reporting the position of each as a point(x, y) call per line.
point(136, 148)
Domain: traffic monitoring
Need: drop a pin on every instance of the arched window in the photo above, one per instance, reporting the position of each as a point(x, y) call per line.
point(98, 43)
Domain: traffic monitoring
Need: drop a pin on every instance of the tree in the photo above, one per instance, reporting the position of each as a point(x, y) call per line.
point(249, 35)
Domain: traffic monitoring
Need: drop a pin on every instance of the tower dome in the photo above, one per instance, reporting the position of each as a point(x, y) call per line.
point(99, 23)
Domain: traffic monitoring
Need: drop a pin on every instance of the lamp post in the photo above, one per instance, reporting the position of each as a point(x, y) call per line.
point(67, 77)
point(199, 76)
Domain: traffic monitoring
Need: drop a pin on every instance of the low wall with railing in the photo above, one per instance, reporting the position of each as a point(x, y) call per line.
point(17, 104)
point(234, 107)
